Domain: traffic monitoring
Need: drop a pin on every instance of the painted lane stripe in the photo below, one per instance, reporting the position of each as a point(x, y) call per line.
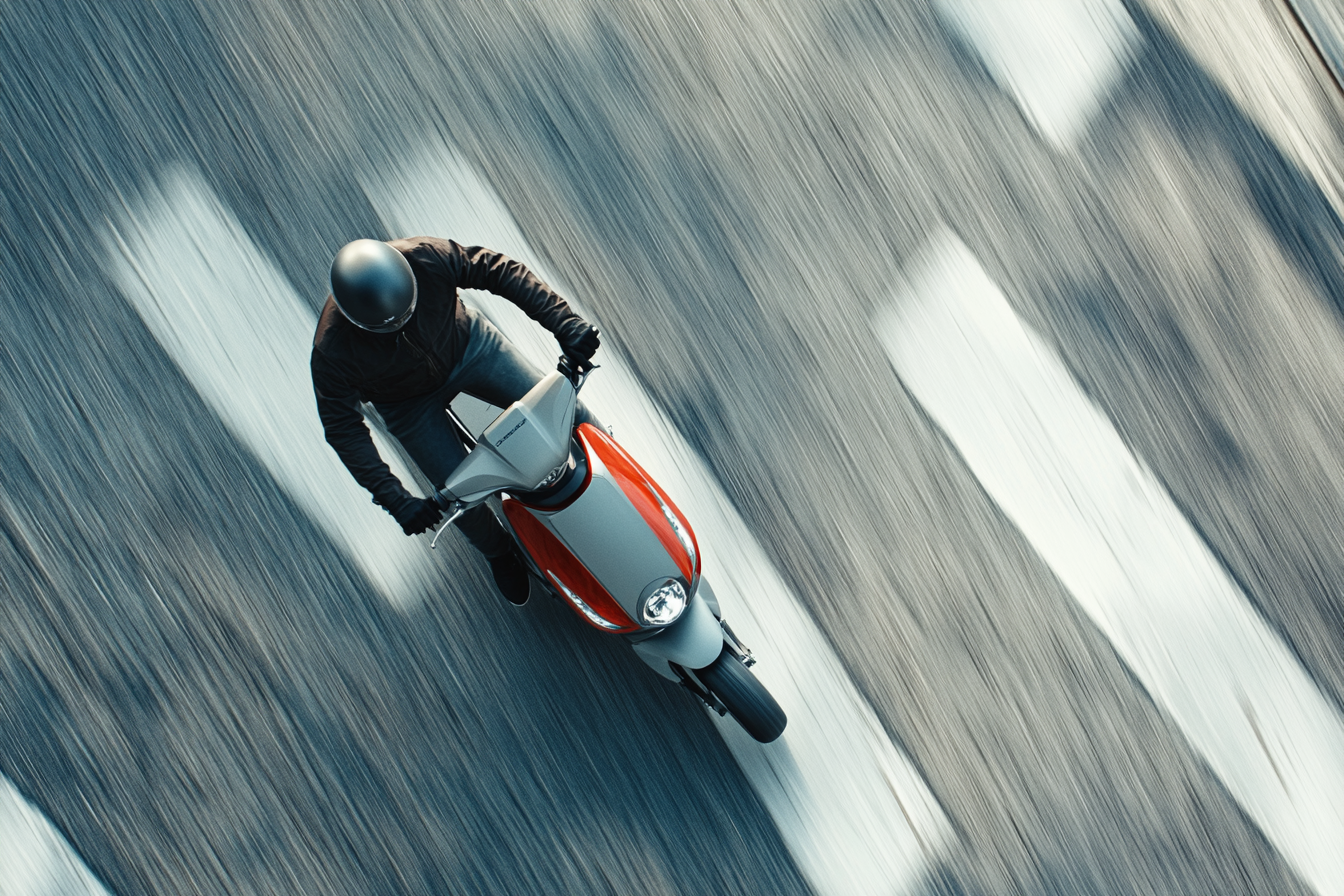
point(1057, 467)
point(1058, 58)
point(849, 805)
point(235, 327)
point(35, 860)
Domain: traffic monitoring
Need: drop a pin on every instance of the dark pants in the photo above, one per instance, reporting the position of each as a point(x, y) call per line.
point(494, 371)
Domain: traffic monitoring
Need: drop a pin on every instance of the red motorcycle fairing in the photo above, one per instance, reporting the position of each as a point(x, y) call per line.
point(557, 560)
point(645, 495)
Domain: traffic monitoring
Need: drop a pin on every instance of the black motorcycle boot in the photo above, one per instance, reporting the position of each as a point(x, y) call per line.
point(511, 577)
point(485, 532)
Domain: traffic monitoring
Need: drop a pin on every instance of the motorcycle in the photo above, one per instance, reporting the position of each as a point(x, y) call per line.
point(600, 535)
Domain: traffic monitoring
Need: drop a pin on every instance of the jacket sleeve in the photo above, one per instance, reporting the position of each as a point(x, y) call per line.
point(346, 431)
point(475, 267)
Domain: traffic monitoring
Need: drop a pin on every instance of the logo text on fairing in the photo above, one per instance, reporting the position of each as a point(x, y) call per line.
point(505, 437)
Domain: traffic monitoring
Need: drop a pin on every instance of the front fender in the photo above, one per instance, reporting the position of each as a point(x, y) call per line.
point(692, 642)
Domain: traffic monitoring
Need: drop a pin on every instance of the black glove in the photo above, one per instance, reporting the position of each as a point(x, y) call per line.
point(578, 339)
point(418, 515)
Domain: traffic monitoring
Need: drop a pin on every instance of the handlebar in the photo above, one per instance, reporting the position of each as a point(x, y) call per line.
point(575, 371)
point(454, 508)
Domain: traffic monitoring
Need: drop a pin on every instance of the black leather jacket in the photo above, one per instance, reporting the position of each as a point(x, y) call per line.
point(351, 365)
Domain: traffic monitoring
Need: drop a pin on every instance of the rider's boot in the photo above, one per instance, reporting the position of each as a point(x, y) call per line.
point(488, 536)
point(511, 577)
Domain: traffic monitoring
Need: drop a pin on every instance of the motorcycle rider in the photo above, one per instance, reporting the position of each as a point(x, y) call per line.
point(395, 333)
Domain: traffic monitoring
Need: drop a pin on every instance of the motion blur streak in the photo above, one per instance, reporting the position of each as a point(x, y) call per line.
point(234, 326)
point(1096, 514)
point(1248, 47)
point(1057, 57)
point(35, 860)
point(850, 806)
point(1324, 22)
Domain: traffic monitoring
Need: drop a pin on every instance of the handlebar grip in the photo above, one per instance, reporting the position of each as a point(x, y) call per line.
point(573, 370)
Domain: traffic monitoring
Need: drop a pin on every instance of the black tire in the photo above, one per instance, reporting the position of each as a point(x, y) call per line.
point(745, 697)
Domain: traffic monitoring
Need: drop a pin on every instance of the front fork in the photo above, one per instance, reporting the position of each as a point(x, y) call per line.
point(692, 684)
point(689, 683)
point(742, 651)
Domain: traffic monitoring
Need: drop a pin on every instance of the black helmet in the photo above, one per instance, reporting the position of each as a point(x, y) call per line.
point(373, 285)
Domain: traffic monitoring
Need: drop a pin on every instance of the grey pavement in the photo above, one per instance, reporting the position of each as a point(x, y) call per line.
point(205, 698)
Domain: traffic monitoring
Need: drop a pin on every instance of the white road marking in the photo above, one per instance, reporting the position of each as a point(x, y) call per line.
point(851, 808)
point(238, 331)
point(1057, 57)
point(1250, 50)
point(35, 860)
point(1057, 467)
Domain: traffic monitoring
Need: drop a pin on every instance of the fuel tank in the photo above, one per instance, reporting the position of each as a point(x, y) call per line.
point(619, 537)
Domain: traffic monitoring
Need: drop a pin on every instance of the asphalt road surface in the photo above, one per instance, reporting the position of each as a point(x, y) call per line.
point(206, 695)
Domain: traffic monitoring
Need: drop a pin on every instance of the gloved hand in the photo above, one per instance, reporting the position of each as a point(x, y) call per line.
point(578, 339)
point(418, 515)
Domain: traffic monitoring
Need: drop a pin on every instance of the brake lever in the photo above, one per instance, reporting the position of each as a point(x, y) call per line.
point(575, 371)
point(457, 513)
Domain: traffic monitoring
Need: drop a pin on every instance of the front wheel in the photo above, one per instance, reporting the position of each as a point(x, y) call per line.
point(745, 697)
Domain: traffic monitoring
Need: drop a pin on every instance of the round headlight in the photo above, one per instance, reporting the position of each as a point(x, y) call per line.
point(664, 604)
